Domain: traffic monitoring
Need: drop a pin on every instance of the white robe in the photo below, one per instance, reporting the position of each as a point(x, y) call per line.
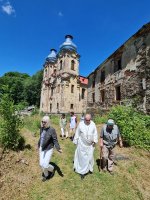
point(84, 137)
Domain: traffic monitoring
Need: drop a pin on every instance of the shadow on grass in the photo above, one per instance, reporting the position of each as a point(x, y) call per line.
point(56, 168)
point(99, 164)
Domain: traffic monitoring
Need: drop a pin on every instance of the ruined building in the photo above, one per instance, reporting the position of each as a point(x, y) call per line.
point(123, 78)
point(63, 89)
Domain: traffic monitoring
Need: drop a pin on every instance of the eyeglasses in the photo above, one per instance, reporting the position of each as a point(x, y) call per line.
point(87, 120)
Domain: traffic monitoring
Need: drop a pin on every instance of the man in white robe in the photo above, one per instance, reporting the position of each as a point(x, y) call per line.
point(85, 139)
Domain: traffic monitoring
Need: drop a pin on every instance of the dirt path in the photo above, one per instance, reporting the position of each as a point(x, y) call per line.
point(20, 175)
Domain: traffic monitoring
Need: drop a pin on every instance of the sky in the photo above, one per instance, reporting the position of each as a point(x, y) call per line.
point(30, 28)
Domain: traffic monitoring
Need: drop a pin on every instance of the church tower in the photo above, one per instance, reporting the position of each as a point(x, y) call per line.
point(49, 74)
point(63, 90)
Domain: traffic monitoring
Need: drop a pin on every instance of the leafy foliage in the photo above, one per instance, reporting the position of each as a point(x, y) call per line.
point(134, 126)
point(23, 89)
point(100, 119)
point(10, 125)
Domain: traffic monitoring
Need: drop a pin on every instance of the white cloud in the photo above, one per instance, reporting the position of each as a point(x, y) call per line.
point(8, 9)
point(60, 14)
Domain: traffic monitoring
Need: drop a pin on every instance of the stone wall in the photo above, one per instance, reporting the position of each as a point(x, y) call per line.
point(123, 78)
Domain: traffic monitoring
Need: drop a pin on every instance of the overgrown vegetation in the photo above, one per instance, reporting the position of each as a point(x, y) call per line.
point(100, 119)
point(10, 124)
point(134, 126)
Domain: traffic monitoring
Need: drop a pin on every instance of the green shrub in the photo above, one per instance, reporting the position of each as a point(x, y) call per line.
point(100, 119)
point(134, 126)
point(10, 125)
point(35, 111)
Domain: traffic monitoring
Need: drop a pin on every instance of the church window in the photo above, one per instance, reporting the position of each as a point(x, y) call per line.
point(72, 88)
point(72, 65)
point(83, 93)
point(71, 106)
point(50, 107)
point(60, 64)
point(45, 72)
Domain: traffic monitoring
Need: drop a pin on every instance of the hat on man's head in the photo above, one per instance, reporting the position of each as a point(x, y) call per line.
point(110, 122)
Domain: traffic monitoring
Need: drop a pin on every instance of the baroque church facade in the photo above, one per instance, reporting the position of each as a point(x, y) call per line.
point(123, 78)
point(63, 89)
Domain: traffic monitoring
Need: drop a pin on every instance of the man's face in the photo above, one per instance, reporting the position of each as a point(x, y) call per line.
point(44, 123)
point(110, 126)
point(87, 120)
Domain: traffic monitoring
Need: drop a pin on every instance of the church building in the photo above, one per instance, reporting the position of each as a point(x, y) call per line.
point(122, 79)
point(63, 89)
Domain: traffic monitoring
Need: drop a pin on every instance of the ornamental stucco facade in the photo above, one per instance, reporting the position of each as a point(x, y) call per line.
point(63, 89)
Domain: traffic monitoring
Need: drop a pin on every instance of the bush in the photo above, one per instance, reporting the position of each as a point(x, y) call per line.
point(100, 119)
point(10, 125)
point(134, 126)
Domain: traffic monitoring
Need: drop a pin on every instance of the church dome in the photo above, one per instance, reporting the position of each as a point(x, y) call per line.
point(52, 56)
point(68, 44)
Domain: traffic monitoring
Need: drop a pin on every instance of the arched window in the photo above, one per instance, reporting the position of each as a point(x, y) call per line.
point(45, 72)
point(72, 65)
point(60, 64)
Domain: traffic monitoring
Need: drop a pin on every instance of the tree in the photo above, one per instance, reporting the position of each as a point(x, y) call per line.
point(10, 124)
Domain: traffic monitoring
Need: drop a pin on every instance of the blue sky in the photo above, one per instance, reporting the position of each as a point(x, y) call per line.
point(30, 28)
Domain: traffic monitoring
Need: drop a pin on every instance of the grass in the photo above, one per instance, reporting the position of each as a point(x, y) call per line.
point(130, 182)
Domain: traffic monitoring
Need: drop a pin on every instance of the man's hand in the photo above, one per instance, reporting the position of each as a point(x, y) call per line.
point(60, 151)
point(101, 143)
point(120, 144)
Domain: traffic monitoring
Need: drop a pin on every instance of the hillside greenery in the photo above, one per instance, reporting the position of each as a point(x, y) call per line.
point(23, 89)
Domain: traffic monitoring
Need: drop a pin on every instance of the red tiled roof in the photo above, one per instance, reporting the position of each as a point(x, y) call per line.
point(83, 80)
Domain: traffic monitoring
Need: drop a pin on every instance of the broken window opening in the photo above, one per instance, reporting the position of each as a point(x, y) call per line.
point(102, 76)
point(118, 93)
point(102, 96)
point(93, 97)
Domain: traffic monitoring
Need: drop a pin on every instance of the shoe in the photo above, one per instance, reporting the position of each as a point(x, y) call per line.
point(82, 176)
point(64, 135)
point(52, 173)
point(60, 135)
point(44, 178)
point(90, 172)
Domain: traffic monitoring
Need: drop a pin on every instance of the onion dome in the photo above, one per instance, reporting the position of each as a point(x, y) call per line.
point(68, 44)
point(52, 56)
